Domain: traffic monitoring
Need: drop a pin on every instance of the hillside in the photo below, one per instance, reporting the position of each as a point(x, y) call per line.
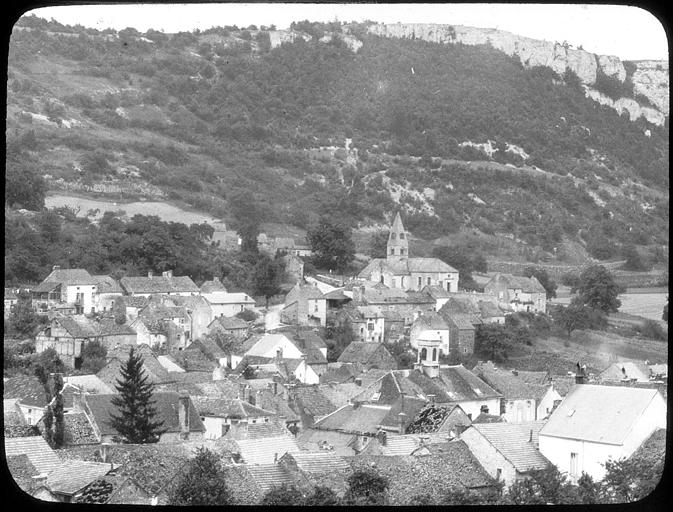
point(464, 138)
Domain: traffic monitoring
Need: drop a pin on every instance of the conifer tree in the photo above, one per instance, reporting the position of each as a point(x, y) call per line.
point(136, 411)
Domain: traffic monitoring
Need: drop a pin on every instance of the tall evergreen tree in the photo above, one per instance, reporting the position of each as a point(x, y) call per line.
point(135, 421)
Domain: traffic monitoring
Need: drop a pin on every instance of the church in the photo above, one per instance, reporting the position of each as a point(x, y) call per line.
point(399, 270)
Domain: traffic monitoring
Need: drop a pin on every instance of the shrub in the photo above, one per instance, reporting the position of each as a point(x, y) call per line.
point(652, 329)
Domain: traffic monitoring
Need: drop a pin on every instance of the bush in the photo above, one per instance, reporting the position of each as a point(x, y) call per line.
point(652, 329)
point(248, 315)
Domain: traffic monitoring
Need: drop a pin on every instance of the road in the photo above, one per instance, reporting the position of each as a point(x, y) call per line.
point(272, 317)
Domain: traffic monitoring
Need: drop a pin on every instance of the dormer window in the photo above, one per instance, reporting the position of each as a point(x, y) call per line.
point(392, 236)
point(401, 236)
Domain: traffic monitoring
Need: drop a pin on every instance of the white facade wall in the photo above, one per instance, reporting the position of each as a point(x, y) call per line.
point(490, 458)
point(228, 309)
point(591, 455)
point(290, 351)
point(418, 334)
point(317, 308)
point(376, 333)
point(518, 411)
point(546, 404)
point(31, 413)
point(86, 293)
point(306, 375)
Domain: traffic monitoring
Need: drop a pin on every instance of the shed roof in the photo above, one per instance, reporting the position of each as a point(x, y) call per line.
point(601, 414)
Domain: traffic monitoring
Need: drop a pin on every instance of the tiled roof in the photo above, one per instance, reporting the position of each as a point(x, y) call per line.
point(135, 301)
point(72, 476)
point(436, 291)
point(71, 277)
point(11, 413)
point(107, 285)
point(510, 385)
point(339, 443)
point(229, 298)
point(88, 383)
point(266, 450)
point(488, 418)
point(304, 337)
point(563, 383)
point(277, 404)
point(313, 401)
point(525, 284)
point(229, 322)
point(461, 384)
point(363, 419)
point(78, 429)
point(340, 394)
point(626, 370)
point(78, 326)
point(261, 430)
point(267, 476)
point(455, 468)
point(432, 321)
point(513, 441)
point(166, 404)
point(212, 286)
point(22, 471)
point(159, 284)
point(337, 294)
point(419, 298)
point(317, 462)
point(170, 364)
point(460, 320)
point(224, 408)
point(394, 445)
point(36, 449)
point(360, 352)
point(26, 388)
point(604, 414)
point(409, 406)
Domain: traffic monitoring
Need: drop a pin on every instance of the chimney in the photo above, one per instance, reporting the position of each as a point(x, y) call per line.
point(401, 420)
point(183, 414)
point(530, 439)
point(382, 437)
point(484, 409)
point(56, 267)
point(150, 274)
point(241, 391)
point(580, 375)
point(105, 452)
point(358, 381)
point(168, 274)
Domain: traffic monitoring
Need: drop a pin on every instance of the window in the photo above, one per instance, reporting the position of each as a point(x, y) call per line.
point(434, 354)
point(424, 353)
point(420, 282)
point(401, 250)
point(315, 308)
point(392, 236)
point(401, 236)
point(392, 250)
point(429, 281)
point(573, 464)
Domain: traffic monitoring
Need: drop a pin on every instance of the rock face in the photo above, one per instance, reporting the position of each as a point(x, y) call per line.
point(278, 37)
point(532, 52)
point(651, 79)
point(628, 105)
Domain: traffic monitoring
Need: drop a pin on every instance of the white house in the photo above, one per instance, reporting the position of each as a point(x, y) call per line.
point(228, 304)
point(597, 423)
point(430, 324)
point(71, 286)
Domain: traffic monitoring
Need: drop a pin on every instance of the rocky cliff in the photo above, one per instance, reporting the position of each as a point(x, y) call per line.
point(651, 78)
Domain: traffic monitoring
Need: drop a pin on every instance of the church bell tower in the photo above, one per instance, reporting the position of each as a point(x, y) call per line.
point(398, 245)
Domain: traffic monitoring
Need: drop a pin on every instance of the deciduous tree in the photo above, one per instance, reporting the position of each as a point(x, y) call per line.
point(332, 245)
point(203, 483)
point(367, 487)
point(597, 289)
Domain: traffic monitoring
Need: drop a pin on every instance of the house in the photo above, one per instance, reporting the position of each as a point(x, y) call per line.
point(231, 326)
point(630, 371)
point(310, 470)
point(359, 420)
point(289, 369)
point(154, 332)
point(15, 424)
point(440, 294)
point(179, 416)
point(507, 451)
point(107, 290)
point(338, 443)
point(157, 317)
point(518, 292)
point(214, 285)
point(399, 270)
point(266, 450)
point(450, 385)
point(199, 310)
point(435, 324)
point(294, 267)
point(228, 304)
point(133, 305)
point(521, 401)
point(27, 393)
point(596, 423)
point(72, 286)
point(442, 466)
point(407, 304)
point(36, 449)
point(118, 356)
point(368, 355)
point(11, 300)
point(305, 304)
point(461, 330)
point(417, 416)
point(69, 479)
point(68, 334)
point(166, 284)
point(490, 313)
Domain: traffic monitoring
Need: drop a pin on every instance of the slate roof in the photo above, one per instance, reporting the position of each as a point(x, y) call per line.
point(419, 297)
point(73, 476)
point(313, 401)
point(265, 450)
point(317, 462)
point(363, 419)
point(487, 418)
point(461, 320)
point(408, 405)
point(166, 403)
point(78, 429)
point(455, 467)
point(436, 291)
point(159, 284)
point(489, 310)
point(229, 298)
point(603, 414)
point(107, 285)
point(40, 455)
point(339, 443)
point(337, 294)
point(512, 440)
point(260, 430)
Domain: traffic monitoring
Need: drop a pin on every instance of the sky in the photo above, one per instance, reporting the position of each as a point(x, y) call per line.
point(630, 33)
